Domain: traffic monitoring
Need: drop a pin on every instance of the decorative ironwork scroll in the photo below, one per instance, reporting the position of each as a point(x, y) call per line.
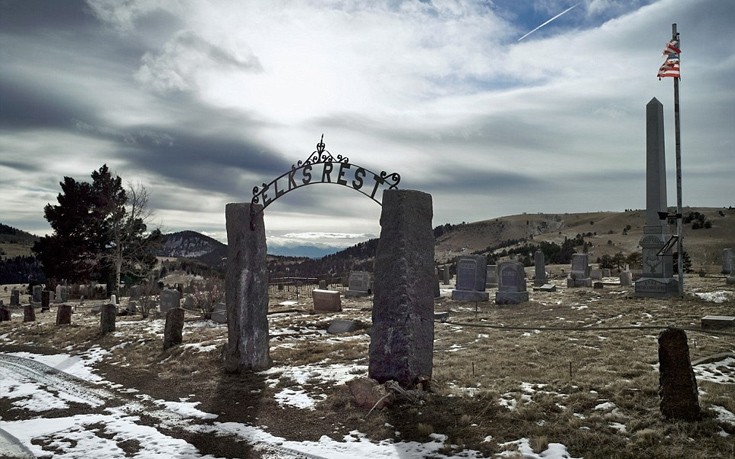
point(321, 167)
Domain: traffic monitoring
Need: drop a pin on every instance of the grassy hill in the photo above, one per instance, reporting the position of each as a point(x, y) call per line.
point(15, 242)
point(608, 232)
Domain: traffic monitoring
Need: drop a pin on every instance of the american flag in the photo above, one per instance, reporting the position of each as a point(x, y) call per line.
point(670, 68)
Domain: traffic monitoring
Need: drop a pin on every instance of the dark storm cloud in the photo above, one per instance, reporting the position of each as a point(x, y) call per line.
point(35, 16)
point(468, 180)
point(34, 107)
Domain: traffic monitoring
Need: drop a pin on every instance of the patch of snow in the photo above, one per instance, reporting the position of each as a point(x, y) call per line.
point(721, 372)
point(553, 451)
point(619, 427)
point(295, 398)
point(719, 296)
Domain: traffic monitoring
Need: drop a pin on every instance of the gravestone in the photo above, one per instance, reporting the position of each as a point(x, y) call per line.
point(626, 279)
point(580, 273)
point(402, 336)
point(446, 275)
point(37, 289)
point(57, 296)
point(728, 265)
point(596, 274)
point(326, 300)
point(63, 314)
point(108, 313)
point(358, 284)
point(322, 284)
point(169, 299)
point(190, 302)
point(677, 384)
point(711, 321)
point(135, 292)
point(492, 276)
point(132, 307)
point(512, 283)
point(219, 313)
point(539, 262)
point(5, 313)
point(657, 277)
point(29, 313)
point(45, 300)
point(15, 297)
point(606, 272)
point(246, 289)
point(342, 326)
point(173, 330)
point(471, 279)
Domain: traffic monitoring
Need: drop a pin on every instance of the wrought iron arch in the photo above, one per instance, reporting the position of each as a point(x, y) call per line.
point(321, 167)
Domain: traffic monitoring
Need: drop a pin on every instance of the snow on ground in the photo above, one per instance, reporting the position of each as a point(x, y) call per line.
point(719, 296)
point(101, 434)
point(714, 371)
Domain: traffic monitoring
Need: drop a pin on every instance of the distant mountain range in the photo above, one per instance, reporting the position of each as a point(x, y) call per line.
point(706, 232)
point(190, 244)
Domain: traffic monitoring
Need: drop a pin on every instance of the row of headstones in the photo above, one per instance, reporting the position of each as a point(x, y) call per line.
point(39, 295)
point(474, 276)
point(63, 313)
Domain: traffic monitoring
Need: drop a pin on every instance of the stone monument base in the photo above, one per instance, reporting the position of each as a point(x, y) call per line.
point(511, 297)
point(470, 295)
point(656, 287)
point(571, 283)
point(356, 293)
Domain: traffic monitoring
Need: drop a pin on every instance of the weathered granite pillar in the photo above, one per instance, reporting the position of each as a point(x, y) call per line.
point(728, 262)
point(45, 300)
point(677, 384)
point(108, 313)
point(539, 262)
point(15, 297)
point(29, 313)
point(402, 338)
point(5, 314)
point(657, 278)
point(63, 314)
point(246, 290)
point(174, 328)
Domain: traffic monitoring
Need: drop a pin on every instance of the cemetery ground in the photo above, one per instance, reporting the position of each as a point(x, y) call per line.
point(572, 373)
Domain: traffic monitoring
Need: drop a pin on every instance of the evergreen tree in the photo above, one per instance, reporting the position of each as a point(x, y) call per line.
point(93, 232)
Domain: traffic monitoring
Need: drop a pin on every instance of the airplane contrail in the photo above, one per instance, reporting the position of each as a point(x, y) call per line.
point(555, 17)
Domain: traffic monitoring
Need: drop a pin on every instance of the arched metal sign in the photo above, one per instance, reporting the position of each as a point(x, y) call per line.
point(321, 167)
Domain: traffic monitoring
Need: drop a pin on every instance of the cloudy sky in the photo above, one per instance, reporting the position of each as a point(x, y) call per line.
point(201, 100)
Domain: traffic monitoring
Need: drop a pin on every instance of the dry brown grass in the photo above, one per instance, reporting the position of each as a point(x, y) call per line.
point(594, 391)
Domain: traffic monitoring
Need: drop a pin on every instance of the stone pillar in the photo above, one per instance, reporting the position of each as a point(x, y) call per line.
point(728, 262)
point(108, 313)
point(15, 297)
point(29, 313)
point(539, 261)
point(174, 329)
point(246, 290)
point(5, 313)
point(63, 314)
point(402, 338)
point(36, 292)
point(45, 300)
point(677, 384)
point(657, 277)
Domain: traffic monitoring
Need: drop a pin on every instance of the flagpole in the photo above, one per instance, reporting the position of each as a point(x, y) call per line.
point(677, 129)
